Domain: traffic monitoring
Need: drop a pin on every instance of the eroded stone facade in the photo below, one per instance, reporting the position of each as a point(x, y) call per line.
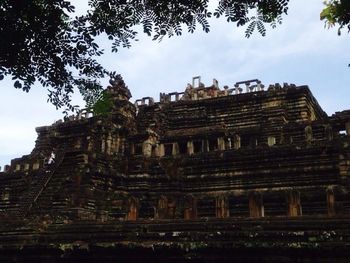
point(241, 153)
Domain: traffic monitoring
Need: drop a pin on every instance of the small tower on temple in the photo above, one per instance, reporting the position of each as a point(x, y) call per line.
point(117, 123)
point(119, 93)
point(118, 90)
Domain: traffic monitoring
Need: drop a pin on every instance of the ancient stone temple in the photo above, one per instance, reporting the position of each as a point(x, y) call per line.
point(243, 173)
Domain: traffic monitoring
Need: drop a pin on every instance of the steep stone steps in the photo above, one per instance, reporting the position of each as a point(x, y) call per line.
point(54, 197)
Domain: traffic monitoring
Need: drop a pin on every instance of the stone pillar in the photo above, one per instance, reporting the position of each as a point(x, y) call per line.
point(221, 144)
point(236, 88)
point(161, 151)
point(228, 143)
point(347, 127)
point(155, 150)
point(166, 208)
point(330, 202)
point(132, 149)
point(190, 149)
point(117, 143)
point(103, 145)
point(256, 206)
point(113, 144)
point(344, 168)
point(190, 208)
point(109, 144)
point(90, 143)
point(194, 95)
point(237, 142)
point(147, 148)
point(122, 146)
point(132, 209)
point(171, 209)
point(247, 84)
point(6, 194)
point(222, 207)
point(271, 140)
point(328, 132)
point(162, 208)
point(175, 150)
point(308, 134)
point(293, 201)
point(36, 166)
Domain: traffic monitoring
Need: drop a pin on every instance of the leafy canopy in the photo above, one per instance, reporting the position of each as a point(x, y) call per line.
point(103, 105)
point(337, 12)
point(43, 42)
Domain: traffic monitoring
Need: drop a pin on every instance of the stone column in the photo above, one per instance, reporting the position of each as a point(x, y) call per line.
point(222, 207)
point(237, 142)
point(221, 144)
point(228, 144)
point(147, 148)
point(190, 149)
point(161, 150)
point(271, 140)
point(36, 166)
point(194, 95)
point(256, 206)
point(344, 168)
point(308, 134)
point(293, 200)
point(330, 202)
point(175, 150)
point(109, 144)
point(132, 209)
point(190, 208)
point(162, 209)
point(171, 209)
point(122, 145)
point(6, 194)
point(117, 144)
point(90, 143)
point(328, 132)
point(132, 149)
point(156, 150)
point(103, 144)
point(347, 127)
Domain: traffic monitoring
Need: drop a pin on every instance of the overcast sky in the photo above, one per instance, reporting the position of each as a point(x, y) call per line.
point(299, 51)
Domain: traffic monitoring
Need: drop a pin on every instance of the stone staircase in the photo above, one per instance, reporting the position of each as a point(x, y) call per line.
point(54, 196)
point(36, 187)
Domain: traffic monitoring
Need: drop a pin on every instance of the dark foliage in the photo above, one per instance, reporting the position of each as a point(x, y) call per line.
point(337, 12)
point(41, 41)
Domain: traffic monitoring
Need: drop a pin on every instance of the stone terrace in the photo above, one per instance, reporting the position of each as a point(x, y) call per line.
point(207, 171)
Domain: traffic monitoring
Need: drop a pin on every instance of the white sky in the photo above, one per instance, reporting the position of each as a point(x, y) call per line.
point(299, 51)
